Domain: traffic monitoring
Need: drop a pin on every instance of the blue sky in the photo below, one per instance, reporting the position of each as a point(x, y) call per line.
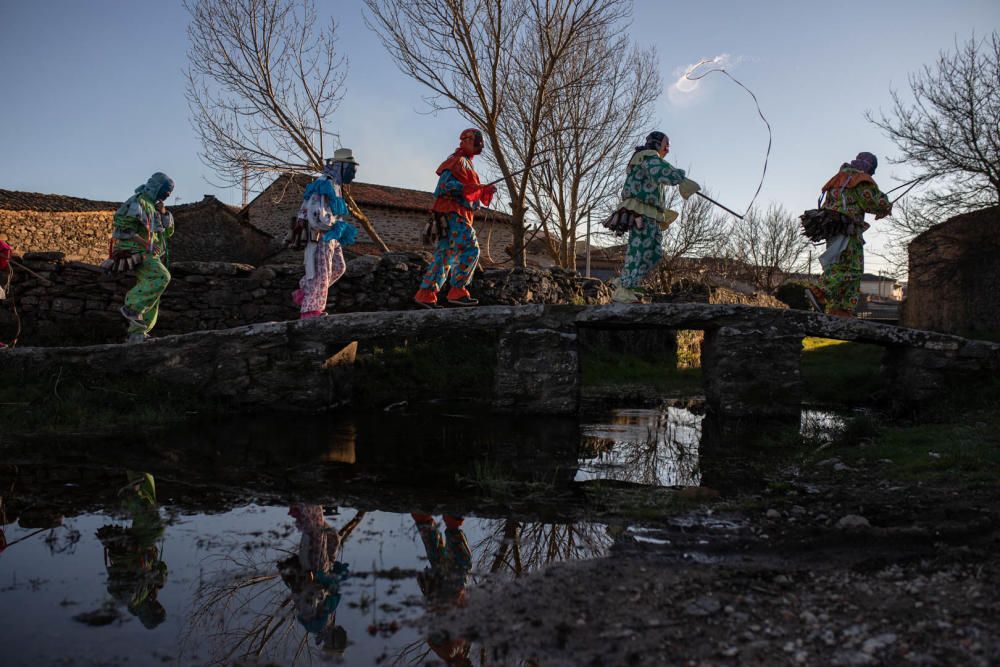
point(93, 93)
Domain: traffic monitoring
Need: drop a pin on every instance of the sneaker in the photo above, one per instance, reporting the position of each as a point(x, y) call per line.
point(132, 316)
point(427, 304)
point(136, 337)
point(813, 300)
point(463, 301)
point(625, 295)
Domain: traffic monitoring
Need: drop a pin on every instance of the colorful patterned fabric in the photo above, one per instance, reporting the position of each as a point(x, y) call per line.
point(643, 190)
point(645, 249)
point(328, 266)
point(853, 193)
point(458, 188)
point(455, 257)
point(151, 280)
point(841, 281)
point(450, 561)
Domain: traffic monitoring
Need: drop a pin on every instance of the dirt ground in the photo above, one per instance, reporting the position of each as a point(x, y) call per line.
point(828, 565)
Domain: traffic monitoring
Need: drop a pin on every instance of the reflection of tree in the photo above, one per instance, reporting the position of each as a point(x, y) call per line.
point(517, 547)
point(667, 456)
point(253, 612)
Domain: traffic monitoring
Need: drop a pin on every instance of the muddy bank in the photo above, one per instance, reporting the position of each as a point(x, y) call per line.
point(840, 567)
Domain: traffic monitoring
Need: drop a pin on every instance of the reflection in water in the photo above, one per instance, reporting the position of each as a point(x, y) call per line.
point(653, 447)
point(133, 553)
point(515, 547)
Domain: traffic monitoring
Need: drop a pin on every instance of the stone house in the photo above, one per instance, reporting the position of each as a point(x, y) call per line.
point(81, 228)
point(212, 231)
point(399, 216)
point(954, 276)
point(36, 222)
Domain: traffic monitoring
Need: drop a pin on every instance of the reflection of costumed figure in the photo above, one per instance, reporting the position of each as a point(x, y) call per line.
point(444, 582)
point(132, 557)
point(458, 196)
point(323, 212)
point(645, 205)
point(314, 576)
point(852, 192)
point(139, 236)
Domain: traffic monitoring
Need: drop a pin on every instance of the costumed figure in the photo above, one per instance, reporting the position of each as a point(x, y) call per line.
point(139, 236)
point(458, 196)
point(444, 582)
point(323, 217)
point(643, 213)
point(314, 576)
point(840, 222)
point(132, 556)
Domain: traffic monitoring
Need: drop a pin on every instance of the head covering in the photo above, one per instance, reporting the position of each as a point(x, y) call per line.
point(344, 155)
point(335, 166)
point(158, 187)
point(865, 162)
point(653, 141)
point(477, 139)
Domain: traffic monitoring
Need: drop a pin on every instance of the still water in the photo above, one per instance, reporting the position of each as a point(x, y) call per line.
point(311, 541)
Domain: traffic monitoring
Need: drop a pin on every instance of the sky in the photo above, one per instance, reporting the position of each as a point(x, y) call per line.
point(93, 94)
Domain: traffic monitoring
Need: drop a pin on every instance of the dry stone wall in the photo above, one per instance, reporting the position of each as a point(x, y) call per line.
point(64, 302)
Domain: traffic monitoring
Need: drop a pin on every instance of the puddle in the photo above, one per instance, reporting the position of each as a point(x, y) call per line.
point(294, 585)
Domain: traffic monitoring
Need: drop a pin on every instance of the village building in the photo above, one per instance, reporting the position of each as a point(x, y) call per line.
point(36, 222)
point(399, 216)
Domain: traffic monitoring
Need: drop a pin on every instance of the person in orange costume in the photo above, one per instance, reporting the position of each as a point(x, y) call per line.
point(458, 196)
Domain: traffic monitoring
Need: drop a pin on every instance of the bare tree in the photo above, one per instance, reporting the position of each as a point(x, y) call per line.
point(501, 64)
point(951, 130)
point(699, 232)
point(588, 136)
point(764, 247)
point(263, 82)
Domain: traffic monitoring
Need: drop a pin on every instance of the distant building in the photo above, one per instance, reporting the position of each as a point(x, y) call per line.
point(399, 216)
point(36, 222)
point(81, 229)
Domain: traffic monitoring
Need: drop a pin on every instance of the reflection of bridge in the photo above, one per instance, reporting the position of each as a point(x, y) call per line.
point(750, 356)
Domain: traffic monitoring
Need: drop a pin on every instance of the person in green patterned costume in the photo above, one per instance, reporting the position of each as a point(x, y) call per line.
point(139, 236)
point(644, 202)
point(851, 192)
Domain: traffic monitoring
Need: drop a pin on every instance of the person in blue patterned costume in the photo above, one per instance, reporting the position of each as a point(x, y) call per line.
point(643, 201)
point(323, 214)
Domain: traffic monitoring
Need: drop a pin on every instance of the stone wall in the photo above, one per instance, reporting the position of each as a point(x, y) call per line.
point(81, 236)
point(954, 276)
point(65, 302)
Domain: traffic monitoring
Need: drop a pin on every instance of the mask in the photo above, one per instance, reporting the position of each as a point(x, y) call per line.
point(347, 172)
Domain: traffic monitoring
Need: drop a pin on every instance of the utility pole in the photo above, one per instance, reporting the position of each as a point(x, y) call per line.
point(588, 243)
point(246, 185)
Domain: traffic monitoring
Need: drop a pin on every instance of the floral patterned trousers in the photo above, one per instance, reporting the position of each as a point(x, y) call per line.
point(330, 266)
point(841, 280)
point(151, 282)
point(455, 255)
point(645, 249)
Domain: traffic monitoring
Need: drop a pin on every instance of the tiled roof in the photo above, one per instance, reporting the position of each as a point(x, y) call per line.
point(385, 196)
point(12, 200)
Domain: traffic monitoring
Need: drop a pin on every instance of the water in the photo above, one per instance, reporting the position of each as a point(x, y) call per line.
point(306, 540)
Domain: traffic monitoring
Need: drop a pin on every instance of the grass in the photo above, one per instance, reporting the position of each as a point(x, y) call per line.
point(836, 371)
point(64, 402)
point(603, 367)
point(453, 367)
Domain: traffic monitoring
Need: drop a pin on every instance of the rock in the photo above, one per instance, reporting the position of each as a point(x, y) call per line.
point(773, 514)
point(705, 605)
point(878, 643)
point(853, 522)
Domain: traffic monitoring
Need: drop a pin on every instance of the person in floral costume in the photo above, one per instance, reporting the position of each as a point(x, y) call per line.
point(458, 196)
point(323, 218)
point(852, 192)
point(140, 230)
point(644, 202)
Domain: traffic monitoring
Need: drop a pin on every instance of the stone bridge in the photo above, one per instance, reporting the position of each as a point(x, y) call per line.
point(750, 355)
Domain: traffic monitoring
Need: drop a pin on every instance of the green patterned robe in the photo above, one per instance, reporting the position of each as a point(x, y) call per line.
point(643, 193)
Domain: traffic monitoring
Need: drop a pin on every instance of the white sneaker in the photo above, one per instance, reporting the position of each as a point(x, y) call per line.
point(624, 294)
point(136, 337)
